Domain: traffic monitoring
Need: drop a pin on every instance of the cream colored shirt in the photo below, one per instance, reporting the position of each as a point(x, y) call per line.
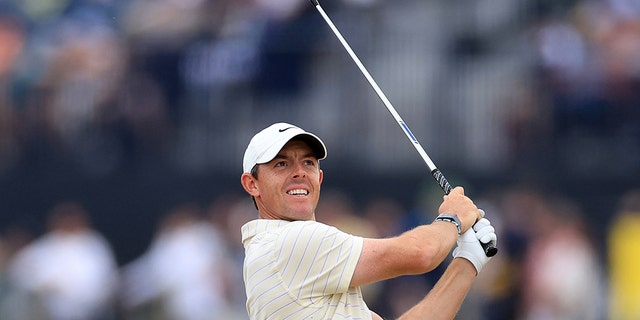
point(301, 270)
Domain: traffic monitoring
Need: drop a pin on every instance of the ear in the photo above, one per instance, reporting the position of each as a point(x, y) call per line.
point(321, 176)
point(249, 184)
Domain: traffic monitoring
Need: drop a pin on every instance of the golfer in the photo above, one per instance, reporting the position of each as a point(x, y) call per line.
point(298, 268)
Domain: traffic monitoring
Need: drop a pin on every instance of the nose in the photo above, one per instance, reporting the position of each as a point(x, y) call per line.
point(298, 171)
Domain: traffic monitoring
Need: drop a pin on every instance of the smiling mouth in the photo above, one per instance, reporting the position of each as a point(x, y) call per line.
point(298, 192)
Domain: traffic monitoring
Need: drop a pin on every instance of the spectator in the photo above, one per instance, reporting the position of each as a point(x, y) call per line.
point(563, 279)
point(624, 258)
point(185, 271)
point(66, 274)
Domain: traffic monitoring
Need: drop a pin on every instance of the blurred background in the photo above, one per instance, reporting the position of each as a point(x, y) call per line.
point(123, 124)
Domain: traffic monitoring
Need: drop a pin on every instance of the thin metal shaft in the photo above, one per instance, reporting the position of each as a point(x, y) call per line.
point(377, 89)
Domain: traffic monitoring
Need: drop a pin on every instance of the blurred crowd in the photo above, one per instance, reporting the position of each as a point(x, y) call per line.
point(523, 85)
point(540, 91)
point(548, 268)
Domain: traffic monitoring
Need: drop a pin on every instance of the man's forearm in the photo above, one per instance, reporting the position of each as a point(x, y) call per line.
point(446, 297)
point(416, 251)
point(434, 240)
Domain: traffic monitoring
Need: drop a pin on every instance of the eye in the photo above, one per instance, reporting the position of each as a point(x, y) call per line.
point(310, 162)
point(280, 164)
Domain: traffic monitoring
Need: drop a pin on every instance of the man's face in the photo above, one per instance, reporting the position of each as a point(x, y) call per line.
point(288, 187)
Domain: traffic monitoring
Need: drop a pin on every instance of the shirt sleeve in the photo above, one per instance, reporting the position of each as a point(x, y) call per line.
point(317, 260)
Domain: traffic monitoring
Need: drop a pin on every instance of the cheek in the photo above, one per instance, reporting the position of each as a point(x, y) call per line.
point(318, 175)
point(271, 186)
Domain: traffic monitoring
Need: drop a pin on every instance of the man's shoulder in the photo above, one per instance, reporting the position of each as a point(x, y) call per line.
point(269, 228)
point(272, 226)
point(260, 225)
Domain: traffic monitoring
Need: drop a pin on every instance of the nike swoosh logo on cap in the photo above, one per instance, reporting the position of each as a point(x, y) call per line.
point(285, 129)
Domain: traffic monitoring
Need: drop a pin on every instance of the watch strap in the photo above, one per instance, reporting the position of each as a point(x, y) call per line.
point(452, 218)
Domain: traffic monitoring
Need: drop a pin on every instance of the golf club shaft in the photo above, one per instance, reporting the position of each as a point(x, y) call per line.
point(489, 248)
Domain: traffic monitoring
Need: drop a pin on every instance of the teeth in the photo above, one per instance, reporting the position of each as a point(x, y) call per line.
point(298, 192)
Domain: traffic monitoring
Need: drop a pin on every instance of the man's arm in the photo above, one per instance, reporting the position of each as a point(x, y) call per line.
point(446, 297)
point(418, 250)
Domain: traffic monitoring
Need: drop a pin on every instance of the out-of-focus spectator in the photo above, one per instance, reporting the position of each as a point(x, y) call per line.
point(82, 78)
point(185, 273)
point(84, 69)
point(164, 23)
point(563, 277)
point(69, 273)
point(231, 212)
point(284, 50)
point(218, 69)
point(624, 258)
point(499, 293)
point(588, 55)
point(12, 39)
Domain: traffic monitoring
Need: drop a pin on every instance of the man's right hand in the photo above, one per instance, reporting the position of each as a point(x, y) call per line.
point(457, 203)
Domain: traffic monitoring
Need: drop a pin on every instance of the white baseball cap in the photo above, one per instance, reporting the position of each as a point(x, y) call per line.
point(266, 144)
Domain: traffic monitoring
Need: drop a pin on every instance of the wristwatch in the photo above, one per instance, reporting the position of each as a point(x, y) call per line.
point(450, 217)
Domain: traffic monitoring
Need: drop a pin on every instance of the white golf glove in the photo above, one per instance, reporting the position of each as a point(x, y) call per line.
point(469, 243)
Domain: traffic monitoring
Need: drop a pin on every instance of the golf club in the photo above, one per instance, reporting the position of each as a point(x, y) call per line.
point(490, 248)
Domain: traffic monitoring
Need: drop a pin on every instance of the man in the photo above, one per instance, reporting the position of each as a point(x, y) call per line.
point(297, 268)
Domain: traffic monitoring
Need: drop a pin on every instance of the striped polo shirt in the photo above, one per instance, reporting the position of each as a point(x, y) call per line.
point(301, 270)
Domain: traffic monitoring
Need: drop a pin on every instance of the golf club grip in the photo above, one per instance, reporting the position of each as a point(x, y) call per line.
point(442, 181)
point(490, 248)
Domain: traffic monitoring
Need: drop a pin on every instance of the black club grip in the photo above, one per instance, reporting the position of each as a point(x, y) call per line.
point(442, 181)
point(490, 248)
